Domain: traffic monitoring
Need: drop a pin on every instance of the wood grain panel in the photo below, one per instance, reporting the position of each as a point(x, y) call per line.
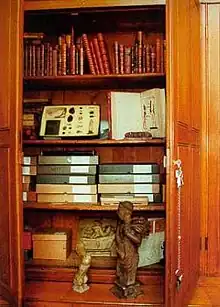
point(211, 144)
point(182, 82)
point(204, 142)
point(41, 292)
point(10, 151)
point(50, 4)
point(5, 69)
point(4, 217)
point(184, 144)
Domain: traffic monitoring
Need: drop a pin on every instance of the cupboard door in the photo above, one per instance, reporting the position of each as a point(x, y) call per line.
point(10, 147)
point(210, 264)
point(183, 106)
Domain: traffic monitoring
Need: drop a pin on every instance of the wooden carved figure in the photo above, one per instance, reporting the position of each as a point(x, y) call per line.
point(129, 234)
point(81, 278)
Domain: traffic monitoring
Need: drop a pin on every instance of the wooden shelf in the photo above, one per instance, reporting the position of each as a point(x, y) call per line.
point(55, 294)
point(98, 142)
point(102, 270)
point(90, 207)
point(95, 81)
point(65, 4)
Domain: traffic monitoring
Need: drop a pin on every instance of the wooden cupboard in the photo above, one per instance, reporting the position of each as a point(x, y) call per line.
point(45, 284)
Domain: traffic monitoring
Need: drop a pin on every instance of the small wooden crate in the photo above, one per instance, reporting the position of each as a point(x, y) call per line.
point(52, 244)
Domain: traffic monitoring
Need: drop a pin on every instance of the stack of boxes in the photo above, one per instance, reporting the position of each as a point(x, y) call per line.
point(29, 172)
point(138, 183)
point(70, 178)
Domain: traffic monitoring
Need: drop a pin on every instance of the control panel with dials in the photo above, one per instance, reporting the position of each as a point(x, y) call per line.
point(70, 121)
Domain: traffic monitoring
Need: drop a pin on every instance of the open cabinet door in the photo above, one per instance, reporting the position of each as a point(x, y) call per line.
point(183, 131)
point(10, 151)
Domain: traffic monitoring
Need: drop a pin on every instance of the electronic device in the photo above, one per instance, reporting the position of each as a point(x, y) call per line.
point(70, 121)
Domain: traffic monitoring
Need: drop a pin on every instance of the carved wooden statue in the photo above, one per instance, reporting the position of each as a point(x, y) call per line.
point(81, 278)
point(129, 234)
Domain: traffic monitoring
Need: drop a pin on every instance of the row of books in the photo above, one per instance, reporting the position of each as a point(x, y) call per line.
point(92, 55)
point(82, 179)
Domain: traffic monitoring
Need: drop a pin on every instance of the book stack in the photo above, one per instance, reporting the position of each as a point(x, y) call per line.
point(32, 112)
point(29, 172)
point(138, 183)
point(67, 178)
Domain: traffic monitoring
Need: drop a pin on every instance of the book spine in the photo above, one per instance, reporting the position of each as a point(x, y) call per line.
point(104, 54)
point(148, 59)
point(88, 53)
point(116, 58)
point(153, 59)
point(121, 59)
point(72, 59)
point(68, 44)
point(42, 59)
point(26, 59)
point(139, 51)
point(94, 57)
point(144, 59)
point(158, 55)
point(54, 60)
point(34, 60)
point(63, 59)
point(127, 60)
point(98, 55)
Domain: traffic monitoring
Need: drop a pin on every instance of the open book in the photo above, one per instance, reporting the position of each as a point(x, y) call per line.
point(138, 112)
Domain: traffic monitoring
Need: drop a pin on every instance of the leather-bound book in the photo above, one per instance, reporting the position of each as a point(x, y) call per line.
point(94, 57)
point(148, 59)
point(98, 55)
point(158, 55)
point(42, 59)
point(54, 61)
point(127, 60)
point(88, 53)
point(121, 59)
point(153, 58)
point(104, 53)
point(72, 59)
point(116, 58)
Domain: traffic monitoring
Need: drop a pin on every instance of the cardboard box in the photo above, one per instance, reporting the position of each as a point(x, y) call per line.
point(52, 244)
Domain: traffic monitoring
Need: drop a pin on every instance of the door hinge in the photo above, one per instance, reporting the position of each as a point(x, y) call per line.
point(204, 243)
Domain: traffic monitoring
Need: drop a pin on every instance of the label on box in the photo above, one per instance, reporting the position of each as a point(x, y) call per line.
point(81, 169)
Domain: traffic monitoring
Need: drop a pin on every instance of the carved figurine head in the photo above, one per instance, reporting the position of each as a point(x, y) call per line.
point(125, 210)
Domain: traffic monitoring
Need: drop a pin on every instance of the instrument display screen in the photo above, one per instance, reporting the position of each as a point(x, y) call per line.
point(52, 127)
